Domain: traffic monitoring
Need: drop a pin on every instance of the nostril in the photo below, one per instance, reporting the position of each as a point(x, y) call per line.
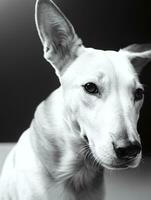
point(133, 150)
point(128, 151)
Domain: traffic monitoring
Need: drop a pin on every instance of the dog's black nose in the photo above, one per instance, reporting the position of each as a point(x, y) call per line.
point(128, 151)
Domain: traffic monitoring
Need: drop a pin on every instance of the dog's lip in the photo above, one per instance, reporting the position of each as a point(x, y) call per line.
point(112, 167)
point(123, 165)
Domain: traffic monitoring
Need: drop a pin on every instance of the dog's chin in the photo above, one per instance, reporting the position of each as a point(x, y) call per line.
point(119, 165)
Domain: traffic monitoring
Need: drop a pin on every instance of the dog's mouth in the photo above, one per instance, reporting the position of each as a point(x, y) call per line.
point(121, 165)
point(116, 163)
point(112, 163)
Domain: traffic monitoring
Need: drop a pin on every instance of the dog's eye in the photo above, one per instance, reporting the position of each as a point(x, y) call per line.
point(139, 94)
point(91, 88)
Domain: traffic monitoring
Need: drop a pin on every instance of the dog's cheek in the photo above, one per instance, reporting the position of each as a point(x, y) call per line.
point(138, 107)
point(71, 114)
point(135, 112)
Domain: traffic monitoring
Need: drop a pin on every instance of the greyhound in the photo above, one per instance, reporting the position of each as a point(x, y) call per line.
point(89, 123)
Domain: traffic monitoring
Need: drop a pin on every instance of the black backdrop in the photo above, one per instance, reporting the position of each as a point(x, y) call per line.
point(26, 78)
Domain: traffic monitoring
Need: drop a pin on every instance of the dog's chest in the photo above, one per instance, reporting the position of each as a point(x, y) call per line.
point(61, 192)
point(87, 181)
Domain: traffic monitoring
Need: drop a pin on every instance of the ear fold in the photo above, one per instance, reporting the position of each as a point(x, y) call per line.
point(58, 37)
point(138, 54)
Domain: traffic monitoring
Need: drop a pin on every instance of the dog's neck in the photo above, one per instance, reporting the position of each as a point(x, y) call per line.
point(60, 150)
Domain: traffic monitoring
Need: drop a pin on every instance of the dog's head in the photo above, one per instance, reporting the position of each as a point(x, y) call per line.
point(101, 90)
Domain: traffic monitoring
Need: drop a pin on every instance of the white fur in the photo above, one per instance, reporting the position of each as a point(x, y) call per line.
point(49, 160)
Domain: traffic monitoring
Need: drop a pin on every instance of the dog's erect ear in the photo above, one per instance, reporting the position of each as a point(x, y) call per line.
point(58, 37)
point(139, 55)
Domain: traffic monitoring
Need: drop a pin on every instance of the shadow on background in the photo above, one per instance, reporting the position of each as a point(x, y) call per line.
point(26, 78)
point(130, 184)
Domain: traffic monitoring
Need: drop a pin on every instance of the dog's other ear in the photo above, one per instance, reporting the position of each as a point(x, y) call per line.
point(58, 37)
point(139, 55)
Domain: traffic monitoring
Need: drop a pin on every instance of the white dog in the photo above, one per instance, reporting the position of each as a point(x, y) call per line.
point(87, 124)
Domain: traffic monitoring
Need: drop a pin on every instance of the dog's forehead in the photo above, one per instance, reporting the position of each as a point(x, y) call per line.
point(95, 64)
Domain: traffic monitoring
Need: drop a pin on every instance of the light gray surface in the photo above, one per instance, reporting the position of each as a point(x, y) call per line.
point(4, 150)
point(132, 184)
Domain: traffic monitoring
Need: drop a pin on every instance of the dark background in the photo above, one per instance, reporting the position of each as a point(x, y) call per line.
point(26, 78)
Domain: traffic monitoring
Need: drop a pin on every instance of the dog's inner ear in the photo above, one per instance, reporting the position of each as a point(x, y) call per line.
point(58, 37)
point(139, 55)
